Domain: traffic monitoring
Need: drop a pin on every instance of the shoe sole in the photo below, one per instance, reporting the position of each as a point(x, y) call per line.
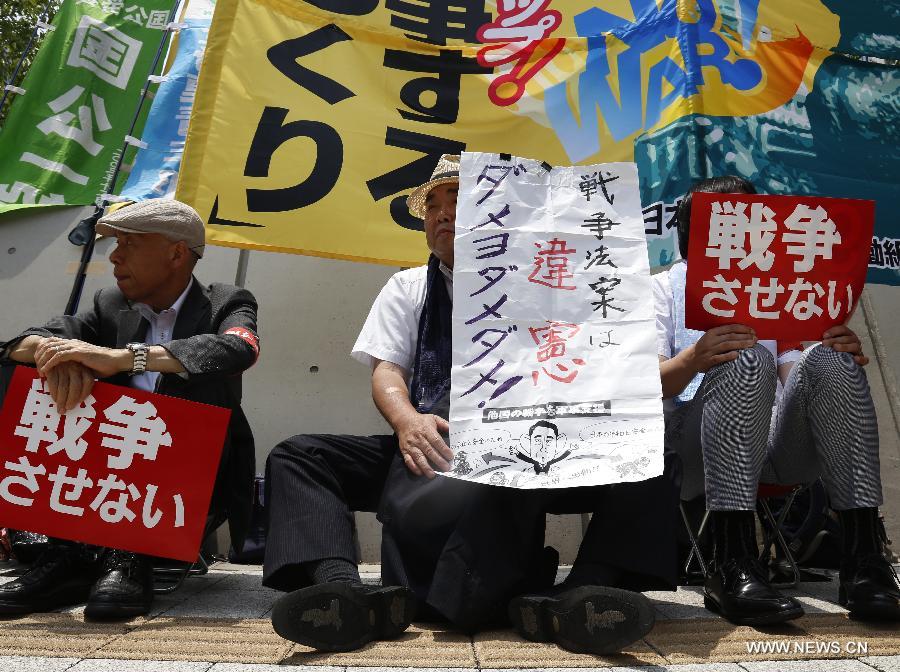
point(13, 609)
point(334, 617)
point(882, 610)
point(759, 619)
point(590, 619)
point(110, 611)
point(875, 612)
point(66, 597)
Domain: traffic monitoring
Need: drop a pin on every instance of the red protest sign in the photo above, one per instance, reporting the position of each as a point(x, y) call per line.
point(128, 469)
point(790, 267)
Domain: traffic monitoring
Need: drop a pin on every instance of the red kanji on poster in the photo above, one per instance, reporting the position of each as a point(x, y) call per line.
point(790, 267)
point(126, 469)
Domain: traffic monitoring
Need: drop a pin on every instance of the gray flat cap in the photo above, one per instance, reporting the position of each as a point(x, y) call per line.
point(172, 219)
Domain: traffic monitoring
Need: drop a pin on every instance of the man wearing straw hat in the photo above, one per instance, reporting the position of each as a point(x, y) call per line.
point(462, 552)
point(160, 330)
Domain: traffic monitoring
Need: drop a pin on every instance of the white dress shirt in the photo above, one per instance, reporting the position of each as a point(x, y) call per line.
point(391, 331)
point(161, 326)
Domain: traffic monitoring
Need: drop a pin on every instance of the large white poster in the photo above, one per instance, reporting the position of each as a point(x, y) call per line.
point(555, 379)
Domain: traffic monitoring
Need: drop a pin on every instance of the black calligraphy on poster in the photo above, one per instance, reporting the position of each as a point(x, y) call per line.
point(555, 378)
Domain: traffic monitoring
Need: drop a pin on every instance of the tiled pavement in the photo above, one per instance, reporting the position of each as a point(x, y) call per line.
point(234, 592)
point(34, 664)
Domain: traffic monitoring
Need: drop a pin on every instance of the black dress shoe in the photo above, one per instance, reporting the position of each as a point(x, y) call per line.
point(340, 616)
point(740, 592)
point(587, 619)
point(124, 589)
point(869, 588)
point(60, 577)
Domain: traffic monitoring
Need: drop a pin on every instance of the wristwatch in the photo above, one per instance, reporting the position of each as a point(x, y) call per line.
point(139, 350)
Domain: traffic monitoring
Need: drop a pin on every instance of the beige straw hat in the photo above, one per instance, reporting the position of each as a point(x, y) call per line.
point(447, 170)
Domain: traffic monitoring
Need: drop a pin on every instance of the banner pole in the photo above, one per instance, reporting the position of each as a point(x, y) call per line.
point(240, 276)
point(86, 229)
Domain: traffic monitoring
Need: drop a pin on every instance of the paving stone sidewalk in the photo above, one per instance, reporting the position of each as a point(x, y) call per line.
point(234, 592)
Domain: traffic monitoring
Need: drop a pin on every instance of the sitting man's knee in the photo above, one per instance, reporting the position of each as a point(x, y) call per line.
point(279, 453)
point(823, 358)
point(831, 369)
point(756, 362)
point(297, 449)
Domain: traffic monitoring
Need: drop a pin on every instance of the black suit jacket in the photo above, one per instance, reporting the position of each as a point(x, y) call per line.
point(213, 362)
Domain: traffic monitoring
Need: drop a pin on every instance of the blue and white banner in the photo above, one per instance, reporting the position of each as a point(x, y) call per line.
point(156, 166)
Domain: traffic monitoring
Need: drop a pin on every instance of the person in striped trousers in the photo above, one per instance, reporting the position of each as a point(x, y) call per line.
point(740, 411)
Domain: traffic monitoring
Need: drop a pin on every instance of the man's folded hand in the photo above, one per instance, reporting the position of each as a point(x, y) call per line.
point(421, 444)
point(69, 383)
point(105, 362)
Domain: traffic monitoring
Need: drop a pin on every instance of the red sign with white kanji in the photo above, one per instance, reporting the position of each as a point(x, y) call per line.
point(126, 469)
point(790, 267)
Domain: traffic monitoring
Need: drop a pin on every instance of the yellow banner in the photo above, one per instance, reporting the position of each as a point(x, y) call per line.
point(310, 127)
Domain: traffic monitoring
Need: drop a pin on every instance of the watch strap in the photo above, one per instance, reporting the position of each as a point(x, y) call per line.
point(139, 352)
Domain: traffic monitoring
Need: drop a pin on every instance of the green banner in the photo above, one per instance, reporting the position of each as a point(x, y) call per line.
point(66, 131)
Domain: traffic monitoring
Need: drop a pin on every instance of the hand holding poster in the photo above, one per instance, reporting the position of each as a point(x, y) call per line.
point(790, 267)
point(555, 378)
point(126, 468)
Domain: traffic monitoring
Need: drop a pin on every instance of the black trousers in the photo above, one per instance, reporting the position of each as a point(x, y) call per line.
point(465, 549)
point(314, 482)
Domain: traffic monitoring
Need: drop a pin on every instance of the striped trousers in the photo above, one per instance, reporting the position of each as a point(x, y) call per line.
point(730, 438)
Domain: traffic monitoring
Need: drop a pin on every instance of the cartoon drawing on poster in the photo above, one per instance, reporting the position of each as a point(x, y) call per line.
point(555, 378)
point(544, 447)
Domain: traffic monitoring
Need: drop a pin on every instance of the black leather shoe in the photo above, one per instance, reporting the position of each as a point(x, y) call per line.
point(340, 616)
point(587, 619)
point(869, 588)
point(60, 577)
point(740, 592)
point(124, 589)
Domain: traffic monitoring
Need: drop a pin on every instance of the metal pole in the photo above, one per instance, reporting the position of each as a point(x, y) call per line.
point(240, 276)
point(45, 16)
point(86, 253)
point(15, 73)
point(91, 222)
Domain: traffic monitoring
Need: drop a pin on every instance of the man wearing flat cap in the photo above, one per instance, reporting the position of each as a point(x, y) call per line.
point(467, 553)
point(160, 330)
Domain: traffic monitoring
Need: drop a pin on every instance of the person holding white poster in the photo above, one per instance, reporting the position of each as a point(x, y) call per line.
point(470, 553)
point(741, 411)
